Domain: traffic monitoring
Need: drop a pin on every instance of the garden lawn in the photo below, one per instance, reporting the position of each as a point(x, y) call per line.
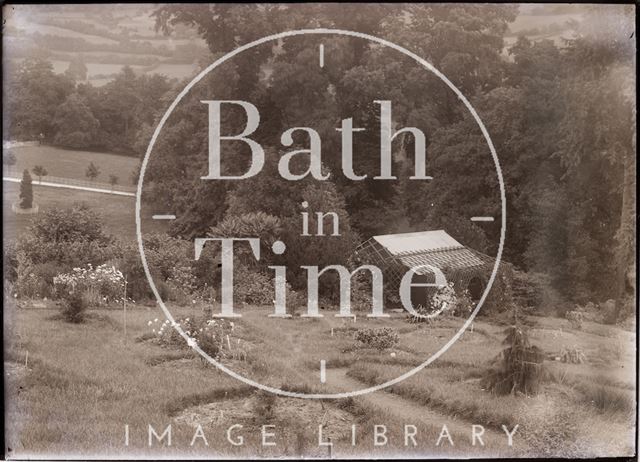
point(67, 163)
point(118, 212)
point(84, 383)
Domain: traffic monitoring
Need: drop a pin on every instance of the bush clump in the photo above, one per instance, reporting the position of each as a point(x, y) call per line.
point(379, 338)
point(575, 319)
point(73, 307)
point(211, 335)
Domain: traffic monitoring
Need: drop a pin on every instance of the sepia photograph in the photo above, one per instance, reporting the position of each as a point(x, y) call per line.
point(319, 231)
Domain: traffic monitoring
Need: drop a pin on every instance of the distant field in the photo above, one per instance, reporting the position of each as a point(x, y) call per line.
point(62, 32)
point(60, 66)
point(530, 21)
point(176, 71)
point(140, 27)
point(117, 211)
point(73, 164)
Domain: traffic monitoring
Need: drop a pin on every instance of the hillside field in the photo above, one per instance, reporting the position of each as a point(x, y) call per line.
point(583, 410)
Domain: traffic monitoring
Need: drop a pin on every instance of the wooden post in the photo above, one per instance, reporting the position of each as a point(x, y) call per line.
point(124, 310)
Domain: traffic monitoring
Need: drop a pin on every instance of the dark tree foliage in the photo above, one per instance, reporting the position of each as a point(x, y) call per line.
point(560, 117)
point(52, 108)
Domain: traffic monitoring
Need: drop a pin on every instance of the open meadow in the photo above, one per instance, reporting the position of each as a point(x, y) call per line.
point(74, 387)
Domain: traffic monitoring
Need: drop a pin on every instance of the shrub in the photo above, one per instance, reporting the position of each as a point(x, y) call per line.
point(163, 253)
point(529, 289)
point(246, 225)
point(45, 274)
point(210, 344)
point(167, 336)
point(445, 301)
point(101, 285)
point(210, 335)
point(65, 237)
point(10, 261)
point(75, 223)
point(131, 266)
point(265, 405)
point(609, 312)
point(73, 307)
point(252, 287)
point(182, 284)
point(575, 319)
point(572, 355)
point(378, 338)
point(34, 280)
point(500, 298)
point(521, 365)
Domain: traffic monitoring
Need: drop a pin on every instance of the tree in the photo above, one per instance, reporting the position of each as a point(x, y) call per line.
point(36, 93)
point(40, 171)
point(77, 69)
point(125, 105)
point(113, 180)
point(469, 42)
point(92, 171)
point(561, 119)
point(75, 125)
point(26, 191)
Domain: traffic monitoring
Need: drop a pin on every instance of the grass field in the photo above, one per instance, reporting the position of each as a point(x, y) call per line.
point(583, 410)
point(117, 212)
point(73, 164)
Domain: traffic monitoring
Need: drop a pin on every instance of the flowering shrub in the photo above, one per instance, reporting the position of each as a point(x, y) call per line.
point(212, 336)
point(445, 301)
point(56, 241)
point(182, 286)
point(379, 339)
point(101, 285)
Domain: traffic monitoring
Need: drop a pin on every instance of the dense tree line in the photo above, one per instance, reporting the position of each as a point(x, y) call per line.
point(560, 115)
point(53, 107)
